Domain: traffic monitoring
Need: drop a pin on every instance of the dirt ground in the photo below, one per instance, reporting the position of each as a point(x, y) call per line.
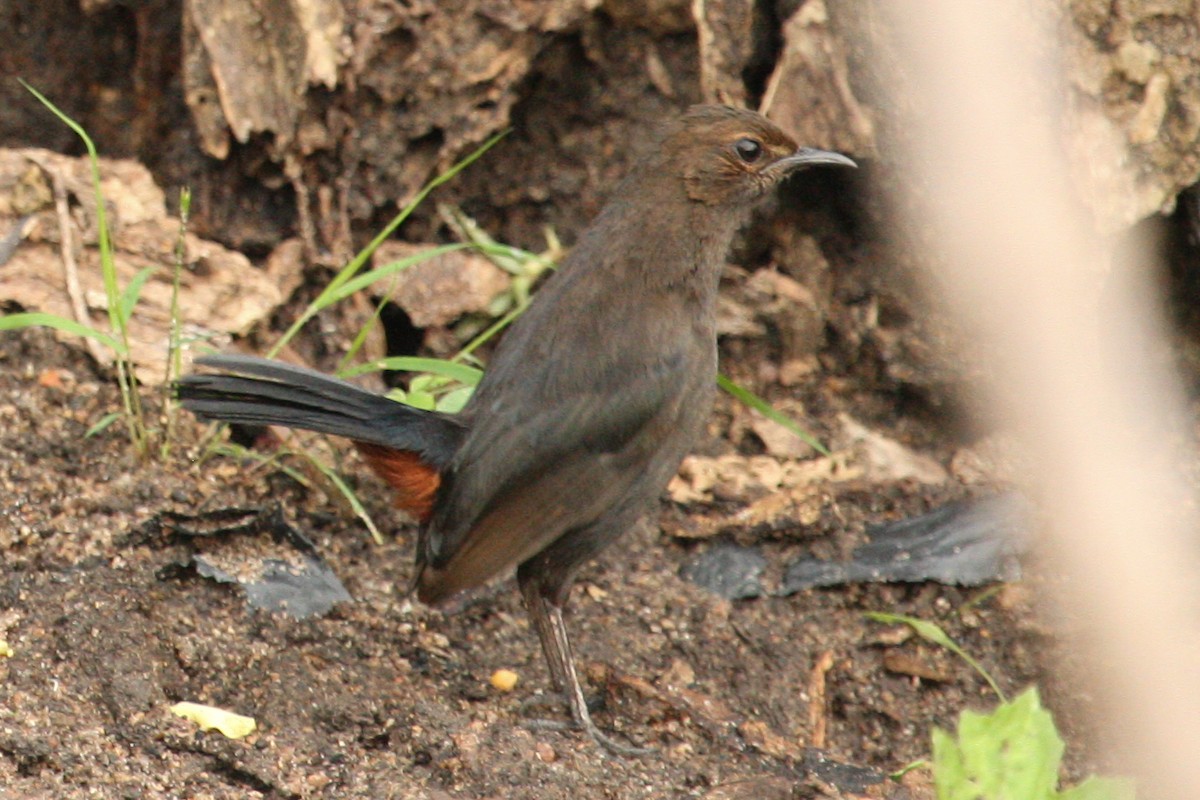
point(383, 697)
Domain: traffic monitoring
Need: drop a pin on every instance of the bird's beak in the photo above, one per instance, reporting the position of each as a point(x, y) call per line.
point(807, 157)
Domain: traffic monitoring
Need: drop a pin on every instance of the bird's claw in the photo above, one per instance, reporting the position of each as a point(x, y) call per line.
point(607, 742)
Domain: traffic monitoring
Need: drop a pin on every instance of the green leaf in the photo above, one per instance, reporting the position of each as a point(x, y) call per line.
point(41, 319)
point(132, 292)
point(499, 305)
point(422, 400)
point(950, 773)
point(450, 369)
point(1097, 788)
point(749, 398)
point(453, 401)
point(1010, 754)
point(428, 383)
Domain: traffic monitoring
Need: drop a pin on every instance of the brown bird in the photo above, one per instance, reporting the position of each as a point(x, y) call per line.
point(590, 401)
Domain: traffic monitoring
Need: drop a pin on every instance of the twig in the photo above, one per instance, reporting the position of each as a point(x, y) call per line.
point(70, 266)
point(308, 229)
point(818, 720)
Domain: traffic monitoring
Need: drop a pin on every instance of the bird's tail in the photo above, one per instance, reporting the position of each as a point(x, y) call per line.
point(259, 391)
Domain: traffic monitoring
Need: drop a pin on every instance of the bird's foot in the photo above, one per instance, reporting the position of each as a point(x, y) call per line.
point(556, 702)
point(539, 702)
point(585, 724)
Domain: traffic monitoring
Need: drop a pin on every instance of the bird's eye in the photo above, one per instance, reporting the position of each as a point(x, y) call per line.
point(748, 150)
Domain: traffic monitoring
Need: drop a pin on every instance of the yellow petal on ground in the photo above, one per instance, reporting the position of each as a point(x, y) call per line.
point(233, 726)
point(5, 650)
point(504, 680)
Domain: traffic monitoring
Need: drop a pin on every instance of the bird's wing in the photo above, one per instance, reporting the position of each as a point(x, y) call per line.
point(530, 472)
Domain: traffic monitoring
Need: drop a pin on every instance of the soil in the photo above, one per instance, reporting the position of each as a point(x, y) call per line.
point(383, 697)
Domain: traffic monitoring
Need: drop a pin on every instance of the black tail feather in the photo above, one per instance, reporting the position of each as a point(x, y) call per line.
point(257, 391)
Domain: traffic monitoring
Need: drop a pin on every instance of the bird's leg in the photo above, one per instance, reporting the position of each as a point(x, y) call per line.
point(531, 594)
point(552, 631)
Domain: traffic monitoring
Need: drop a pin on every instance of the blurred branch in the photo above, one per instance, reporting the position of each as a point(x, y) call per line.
point(1022, 266)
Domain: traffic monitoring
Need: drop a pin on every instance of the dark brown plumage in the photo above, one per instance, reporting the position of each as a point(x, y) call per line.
point(590, 401)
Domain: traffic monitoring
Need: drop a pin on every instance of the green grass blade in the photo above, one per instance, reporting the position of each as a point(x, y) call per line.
point(174, 365)
point(126, 379)
point(106, 259)
point(492, 330)
point(101, 424)
point(344, 489)
point(131, 294)
point(332, 291)
point(66, 325)
point(459, 372)
point(361, 282)
point(909, 767)
point(275, 460)
point(360, 337)
point(933, 633)
point(749, 398)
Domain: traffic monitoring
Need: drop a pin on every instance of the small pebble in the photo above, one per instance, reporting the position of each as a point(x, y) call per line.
point(504, 680)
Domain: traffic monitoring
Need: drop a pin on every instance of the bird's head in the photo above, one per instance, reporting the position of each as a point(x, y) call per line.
point(731, 156)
